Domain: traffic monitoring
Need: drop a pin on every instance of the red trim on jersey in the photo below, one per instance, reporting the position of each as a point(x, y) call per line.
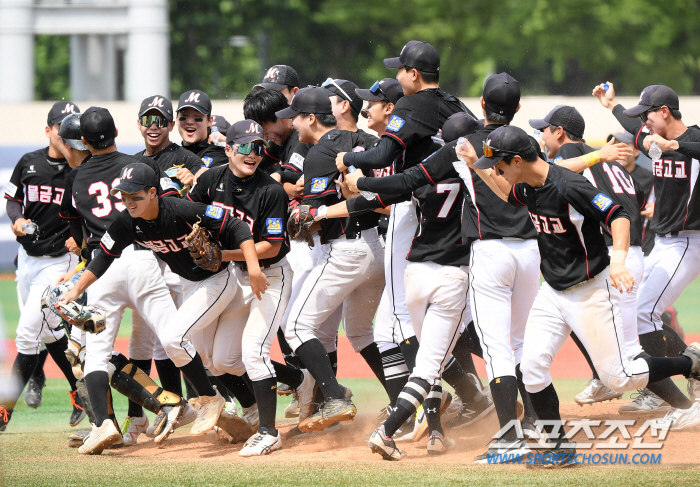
point(341, 226)
point(68, 217)
point(328, 191)
point(610, 213)
point(226, 213)
point(107, 252)
point(188, 197)
point(171, 192)
point(396, 137)
point(636, 137)
point(512, 190)
point(426, 173)
point(11, 198)
point(273, 238)
point(293, 168)
point(380, 201)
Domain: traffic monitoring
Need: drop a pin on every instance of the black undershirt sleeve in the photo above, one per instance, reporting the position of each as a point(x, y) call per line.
point(402, 183)
point(691, 149)
point(76, 230)
point(632, 125)
point(100, 263)
point(288, 176)
point(359, 205)
point(14, 210)
point(381, 156)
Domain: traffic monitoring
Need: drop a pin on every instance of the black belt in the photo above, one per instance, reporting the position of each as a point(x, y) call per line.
point(140, 247)
point(672, 234)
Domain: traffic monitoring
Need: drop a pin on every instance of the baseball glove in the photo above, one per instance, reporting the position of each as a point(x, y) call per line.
point(87, 318)
point(299, 224)
point(205, 253)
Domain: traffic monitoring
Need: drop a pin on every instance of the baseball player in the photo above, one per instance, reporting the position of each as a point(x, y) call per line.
point(583, 281)
point(194, 124)
point(34, 194)
point(675, 260)
point(162, 224)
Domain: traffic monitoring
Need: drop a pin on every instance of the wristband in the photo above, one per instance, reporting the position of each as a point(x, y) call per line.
point(618, 256)
point(321, 213)
point(591, 158)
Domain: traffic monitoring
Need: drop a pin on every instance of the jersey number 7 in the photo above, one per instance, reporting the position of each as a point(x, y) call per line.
point(453, 190)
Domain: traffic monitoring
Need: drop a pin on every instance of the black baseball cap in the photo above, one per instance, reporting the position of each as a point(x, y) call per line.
point(418, 55)
point(502, 94)
point(624, 137)
point(245, 131)
point(60, 110)
point(135, 177)
point(157, 102)
point(388, 90)
point(654, 96)
point(196, 99)
point(458, 125)
point(562, 116)
point(221, 123)
point(70, 131)
point(278, 77)
point(344, 90)
point(504, 141)
point(313, 99)
point(97, 124)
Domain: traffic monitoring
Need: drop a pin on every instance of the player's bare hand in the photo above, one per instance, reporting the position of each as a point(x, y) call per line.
point(351, 180)
point(648, 211)
point(294, 190)
point(215, 137)
point(17, 227)
point(200, 172)
point(614, 151)
point(258, 283)
point(664, 145)
point(467, 153)
point(339, 162)
point(620, 277)
point(347, 193)
point(606, 97)
point(71, 295)
point(185, 176)
point(72, 246)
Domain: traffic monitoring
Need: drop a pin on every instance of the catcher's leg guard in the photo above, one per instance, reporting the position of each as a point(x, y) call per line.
point(85, 399)
point(132, 382)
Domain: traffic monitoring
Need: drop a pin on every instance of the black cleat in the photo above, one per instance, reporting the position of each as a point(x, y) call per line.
point(32, 394)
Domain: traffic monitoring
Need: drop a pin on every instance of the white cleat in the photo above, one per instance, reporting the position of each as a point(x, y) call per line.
point(261, 444)
point(438, 444)
point(596, 391)
point(679, 419)
point(694, 389)
point(292, 409)
point(646, 401)
point(208, 414)
point(132, 429)
point(305, 395)
point(100, 438)
point(381, 444)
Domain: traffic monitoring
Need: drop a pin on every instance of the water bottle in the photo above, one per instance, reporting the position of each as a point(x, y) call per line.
point(29, 228)
point(218, 143)
point(461, 165)
point(654, 152)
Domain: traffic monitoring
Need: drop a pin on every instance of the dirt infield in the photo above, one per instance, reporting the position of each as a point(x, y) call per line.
point(349, 444)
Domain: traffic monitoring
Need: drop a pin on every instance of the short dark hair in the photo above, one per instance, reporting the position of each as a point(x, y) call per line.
point(325, 119)
point(102, 144)
point(675, 113)
point(568, 134)
point(427, 77)
point(529, 155)
point(261, 105)
point(492, 116)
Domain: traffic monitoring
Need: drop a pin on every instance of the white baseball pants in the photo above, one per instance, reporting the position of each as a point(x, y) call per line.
point(628, 301)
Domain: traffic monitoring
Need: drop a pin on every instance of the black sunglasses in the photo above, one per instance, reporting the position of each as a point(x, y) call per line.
point(643, 115)
point(494, 152)
point(148, 120)
point(246, 149)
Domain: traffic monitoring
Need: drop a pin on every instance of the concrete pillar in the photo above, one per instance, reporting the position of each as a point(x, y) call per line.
point(16, 51)
point(93, 67)
point(147, 66)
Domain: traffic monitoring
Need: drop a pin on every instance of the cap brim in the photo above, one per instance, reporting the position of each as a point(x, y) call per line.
point(76, 144)
point(368, 95)
point(487, 162)
point(538, 124)
point(164, 113)
point(286, 113)
point(269, 86)
point(636, 111)
point(196, 107)
point(59, 119)
point(393, 63)
point(126, 187)
point(249, 138)
point(624, 137)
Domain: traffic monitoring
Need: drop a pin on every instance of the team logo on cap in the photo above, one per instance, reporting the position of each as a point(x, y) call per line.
point(272, 73)
point(319, 185)
point(602, 202)
point(194, 97)
point(253, 129)
point(642, 95)
point(274, 226)
point(395, 123)
point(69, 108)
point(157, 102)
point(127, 173)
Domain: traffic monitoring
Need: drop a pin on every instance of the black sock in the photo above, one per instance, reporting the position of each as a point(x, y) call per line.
point(266, 397)
point(169, 376)
point(463, 385)
point(221, 387)
point(674, 343)
point(666, 389)
point(197, 375)
point(463, 353)
point(653, 343)
point(135, 410)
point(410, 398)
point(39, 375)
point(98, 388)
point(585, 354)
point(661, 368)
point(476, 343)
point(22, 369)
point(431, 406)
point(395, 372)
point(57, 350)
point(546, 404)
point(289, 357)
point(189, 388)
point(409, 349)
point(333, 357)
point(374, 359)
point(291, 376)
point(240, 389)
point(317, 362)
point(527, 403)
point(504, 391)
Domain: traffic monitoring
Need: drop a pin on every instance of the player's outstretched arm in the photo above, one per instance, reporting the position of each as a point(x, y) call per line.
point(619, 275)
point(498, 185)
point(85, 281)
point(608, 153)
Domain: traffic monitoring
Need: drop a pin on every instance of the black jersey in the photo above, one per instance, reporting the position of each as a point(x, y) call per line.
point(38, 182)
point(172, 157)
point(675, 182)
point(166, 234)
point(211, 155)
point(91, 191)
point(258, 201)
point(320, 173)
point(286, 158)
point(567, 212)
point(611, 179)
point(645, 179)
